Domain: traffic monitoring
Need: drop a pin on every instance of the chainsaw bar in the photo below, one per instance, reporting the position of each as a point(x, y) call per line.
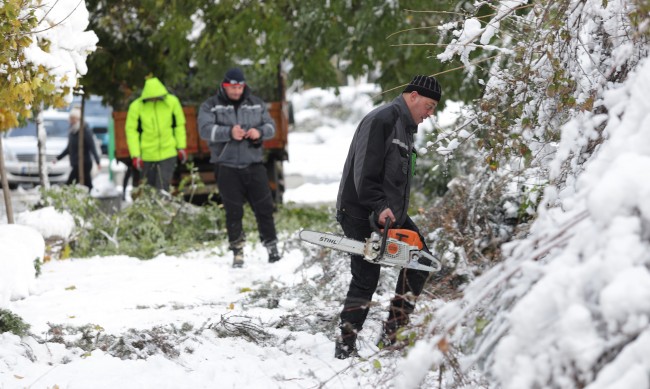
point(397, 253)
point(333, 241)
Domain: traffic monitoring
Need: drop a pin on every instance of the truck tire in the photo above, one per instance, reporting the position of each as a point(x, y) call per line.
point(275, 173)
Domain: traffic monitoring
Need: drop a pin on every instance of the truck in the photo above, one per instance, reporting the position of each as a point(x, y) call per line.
point(275, 149)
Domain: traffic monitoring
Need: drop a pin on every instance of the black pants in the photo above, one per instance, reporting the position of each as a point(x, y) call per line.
point(159, 174)
point(237, 186)
point(130, 171)
point(74, 175)
point(365, 277)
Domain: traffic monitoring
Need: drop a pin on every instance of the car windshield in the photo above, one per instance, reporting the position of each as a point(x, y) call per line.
point(55, 128)
point(92, 107)
point(95, 108)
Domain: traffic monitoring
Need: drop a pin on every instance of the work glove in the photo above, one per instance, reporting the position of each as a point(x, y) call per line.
point(137, 163)
point(182, 155)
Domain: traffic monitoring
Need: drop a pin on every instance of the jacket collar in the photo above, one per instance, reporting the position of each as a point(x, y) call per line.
point(405, 114)
point(221, 93)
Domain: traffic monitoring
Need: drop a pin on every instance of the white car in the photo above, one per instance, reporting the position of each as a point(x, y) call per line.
point(21, 151)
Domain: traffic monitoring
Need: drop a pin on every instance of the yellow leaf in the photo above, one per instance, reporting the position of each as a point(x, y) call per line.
point(19, 377)
point(443, 345)
point(231, 306)
point(71, 287)
point(65, 253)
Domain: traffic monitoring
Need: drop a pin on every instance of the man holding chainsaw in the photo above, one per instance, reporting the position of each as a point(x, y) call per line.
point(376, 184)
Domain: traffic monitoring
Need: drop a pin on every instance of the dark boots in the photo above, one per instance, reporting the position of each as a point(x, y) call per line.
point(272, 248)
point(388, 338)
point(346, 342)
point(237, 248)
point(238, 257)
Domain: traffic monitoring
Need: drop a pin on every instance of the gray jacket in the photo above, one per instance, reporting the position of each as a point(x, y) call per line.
point(378, 171)
point(217, 116)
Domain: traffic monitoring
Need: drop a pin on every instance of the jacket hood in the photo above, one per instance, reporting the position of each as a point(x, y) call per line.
point(153, 88)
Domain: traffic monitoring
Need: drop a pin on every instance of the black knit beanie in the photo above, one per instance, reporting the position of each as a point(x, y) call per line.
point(234, 74)
point(426, 86)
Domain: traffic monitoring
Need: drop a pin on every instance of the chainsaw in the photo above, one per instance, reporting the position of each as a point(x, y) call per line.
point(395, 247)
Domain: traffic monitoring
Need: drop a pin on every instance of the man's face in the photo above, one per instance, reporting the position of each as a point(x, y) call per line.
point(421, 107)
point(234, 91)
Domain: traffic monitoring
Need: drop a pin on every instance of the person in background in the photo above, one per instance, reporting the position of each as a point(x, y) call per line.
point(376, 183)
point(234, 122)
point(72, 150)
point(155, 134)
point(132, 174)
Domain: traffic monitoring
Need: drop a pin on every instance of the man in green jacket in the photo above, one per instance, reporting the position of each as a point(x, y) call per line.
point(155, 133)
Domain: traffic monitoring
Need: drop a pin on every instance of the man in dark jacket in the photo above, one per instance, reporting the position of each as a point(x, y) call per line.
point(72, 150)
point(376, 183)
point(234, 122)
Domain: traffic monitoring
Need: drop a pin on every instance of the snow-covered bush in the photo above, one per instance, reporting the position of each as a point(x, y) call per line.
point(567, 109)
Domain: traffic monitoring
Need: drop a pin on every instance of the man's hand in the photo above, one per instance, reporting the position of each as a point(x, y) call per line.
point(137, 163)
point(386, 213)
point(253, 134)
point(237, 132)
point(182, 155)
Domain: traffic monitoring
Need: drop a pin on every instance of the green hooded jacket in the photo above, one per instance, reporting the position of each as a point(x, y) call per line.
point(155, 124)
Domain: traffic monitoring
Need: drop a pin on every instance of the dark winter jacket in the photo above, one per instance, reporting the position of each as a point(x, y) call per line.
point(90, 149)
point(378, 171)
point(218, 114)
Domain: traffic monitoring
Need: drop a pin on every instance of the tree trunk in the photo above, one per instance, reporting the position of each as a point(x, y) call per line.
point(81, 177)
point(5, 185)
point(42, 160)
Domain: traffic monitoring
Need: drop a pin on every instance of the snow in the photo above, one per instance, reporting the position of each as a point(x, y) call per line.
point(577, 288)
point(63, 23)
point(21, 245)
point(48, 221)
point(117, 294)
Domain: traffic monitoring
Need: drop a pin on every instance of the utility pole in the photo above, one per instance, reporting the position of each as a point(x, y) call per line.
point(81, 141)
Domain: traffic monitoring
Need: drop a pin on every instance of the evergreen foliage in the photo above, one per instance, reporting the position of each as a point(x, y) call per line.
point(10, 322)
point(154, 224)
point(189, 45)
